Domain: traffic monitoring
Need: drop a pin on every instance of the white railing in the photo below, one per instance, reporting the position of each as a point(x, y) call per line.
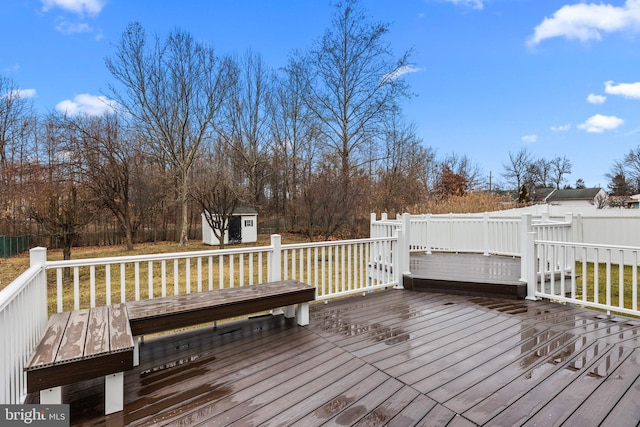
point(23, 317)
point(334, 268)
point(472, 233)
point(604, 277)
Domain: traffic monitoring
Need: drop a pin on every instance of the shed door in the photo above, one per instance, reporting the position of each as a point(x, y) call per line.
point(235, 229)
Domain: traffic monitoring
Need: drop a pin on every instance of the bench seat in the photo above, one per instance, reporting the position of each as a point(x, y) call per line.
point(179, 311)
point(82, 345)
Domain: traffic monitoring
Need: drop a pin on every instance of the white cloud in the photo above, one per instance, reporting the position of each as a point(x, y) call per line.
point(406, 69)
point(20, 93)
point(474, 4)
point(628, 90)
point(596, 99)
point(561, 128)
point(66, 27)
point(600, 123)
point(530, 138)
point(86, 104)
point(587, 21)
point(80, 7)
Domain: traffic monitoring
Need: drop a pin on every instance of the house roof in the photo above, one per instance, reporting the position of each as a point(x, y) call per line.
point(574, 194)
point(540, 194)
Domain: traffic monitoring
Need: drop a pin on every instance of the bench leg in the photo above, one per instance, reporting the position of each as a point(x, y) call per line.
point(290, 311)
point(136, 351)
point(113, 393)
point(302, 314)
point(51, 396)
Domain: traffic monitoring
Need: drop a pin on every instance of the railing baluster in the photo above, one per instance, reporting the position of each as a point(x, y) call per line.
point(163, 273)
point(59, 289)
point(221, 272)
point(187, 275)
point(76, 289)
point(123, 286)
point(136, 277)
point(199, 273)
point(176, 277)
point(107, 282)
point(92, 285)
point(150, 278)
point(210, 271)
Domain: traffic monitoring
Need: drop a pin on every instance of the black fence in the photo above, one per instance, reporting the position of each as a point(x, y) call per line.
point(13, 245)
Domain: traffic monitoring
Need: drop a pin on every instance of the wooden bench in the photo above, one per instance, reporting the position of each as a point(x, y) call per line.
point(82, 345)
point(179, 311)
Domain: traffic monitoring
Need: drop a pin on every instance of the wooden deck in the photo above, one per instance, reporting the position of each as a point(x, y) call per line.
point(393, 357)
point(466, 274)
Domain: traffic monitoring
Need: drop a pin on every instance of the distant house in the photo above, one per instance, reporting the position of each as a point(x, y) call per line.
point(243, 228)
point(539, 195)
point(576, 197)
point(633, 202)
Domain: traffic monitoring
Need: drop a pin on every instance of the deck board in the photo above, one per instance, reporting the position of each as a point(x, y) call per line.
point(389, 358)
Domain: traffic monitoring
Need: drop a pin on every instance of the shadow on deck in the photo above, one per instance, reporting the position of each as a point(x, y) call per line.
point(466, 274)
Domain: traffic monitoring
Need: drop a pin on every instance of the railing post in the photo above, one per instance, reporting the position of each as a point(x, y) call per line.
point(530, 254)
point(372, 221)
point(405, 224)
point(525, 229)
point(485, 233)
point(427, 232)
point(401, 258)
point(275, 267)
point(38, 258)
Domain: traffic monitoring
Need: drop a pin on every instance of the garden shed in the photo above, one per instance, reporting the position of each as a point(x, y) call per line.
point(243, 228)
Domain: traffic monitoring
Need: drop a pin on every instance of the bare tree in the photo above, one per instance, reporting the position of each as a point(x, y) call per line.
point(62, 206)
point(516, 169)
point(246, 130)
point(353, 82)
point(538, 173)
point(462, 166)
point(295, 131)
point(106, 156)
point(403, 162)
point(560, 168)
point(15, 117)
point(322, 204)
point(17, 128)
point(174, 91)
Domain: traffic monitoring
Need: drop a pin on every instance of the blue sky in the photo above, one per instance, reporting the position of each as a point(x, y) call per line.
point(558, 77)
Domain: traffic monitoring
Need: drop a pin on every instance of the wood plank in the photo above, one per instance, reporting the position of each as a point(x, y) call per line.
point(73, 339)
point(47, 349)
point(388, 408)
point(120, 335)
point(316, 379)
point(411, 414)
point(97, 334)
point(335, 394)
point(528, 393)
point(591, 397)
point(259, 384)
point(335, 403)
